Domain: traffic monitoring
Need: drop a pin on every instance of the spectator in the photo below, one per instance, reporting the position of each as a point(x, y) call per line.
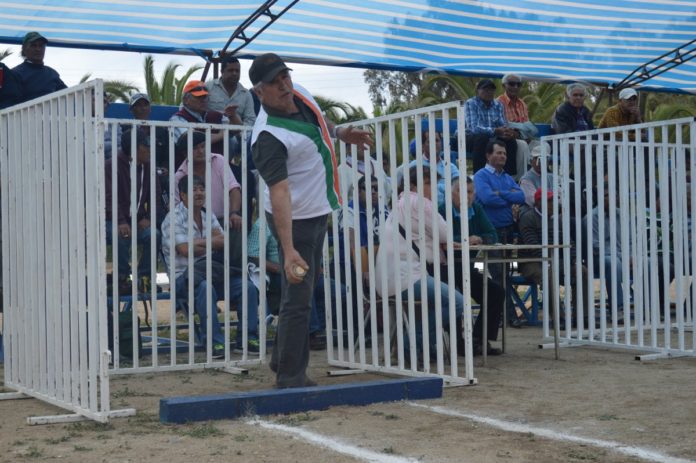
point(228, 96)
point(440, 163)
point(500, 197)
point(218, 189)
point(531, 180)
point(572, 115)
point(518, 119)
point(194, 108)
point(34, 76)
point(273, 268)
point(497, 192)
point(140, 106)
point(410, 271)
point(481, 231)
point(108, 131)
point(625, 112)
point(178, 220)
point(531, 226)
point(11, 91)
point(485, 119)
point(140, 154)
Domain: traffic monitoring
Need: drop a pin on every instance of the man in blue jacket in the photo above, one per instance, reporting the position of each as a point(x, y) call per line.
point(36, 78)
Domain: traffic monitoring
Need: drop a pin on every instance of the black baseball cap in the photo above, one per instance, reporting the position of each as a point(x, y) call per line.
point(485, 83)
point(33, 37)
point(265, 67)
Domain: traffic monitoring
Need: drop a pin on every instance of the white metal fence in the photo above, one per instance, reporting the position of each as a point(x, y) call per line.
point(54, 254)
point(624, 199)
point(375, 328)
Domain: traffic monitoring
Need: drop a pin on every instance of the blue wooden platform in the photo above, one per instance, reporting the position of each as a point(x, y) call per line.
point(274, 401)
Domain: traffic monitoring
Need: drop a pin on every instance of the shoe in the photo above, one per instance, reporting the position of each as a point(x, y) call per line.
point(218, 351)
point(478, 349)
point(317, 342)
point(253, 346)
point(306, 383)
point(515, 323)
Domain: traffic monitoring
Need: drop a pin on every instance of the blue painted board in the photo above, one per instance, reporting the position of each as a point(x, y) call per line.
point(274, 401)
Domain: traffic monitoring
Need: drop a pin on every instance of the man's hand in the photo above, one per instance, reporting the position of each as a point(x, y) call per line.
point(292, 259)
point(231, 113)
point(475, 240)
point(124, 230)
point(143, 224)
point(235, 221)
point(350, 134)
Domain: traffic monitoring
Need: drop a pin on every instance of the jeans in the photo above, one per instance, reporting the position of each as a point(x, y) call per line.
point(444, 298)
point(144, 238)
point(200, 306)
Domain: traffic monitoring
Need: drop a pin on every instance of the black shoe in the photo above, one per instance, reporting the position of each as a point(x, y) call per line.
point(515, 322)
point(478, 349)
point(317, 342)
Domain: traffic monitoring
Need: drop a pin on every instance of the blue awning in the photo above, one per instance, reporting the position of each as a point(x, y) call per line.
point(597, 41)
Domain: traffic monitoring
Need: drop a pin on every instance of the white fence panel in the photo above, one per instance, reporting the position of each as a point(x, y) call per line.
point(624, 199)
point(53, 252)
point(355, 285)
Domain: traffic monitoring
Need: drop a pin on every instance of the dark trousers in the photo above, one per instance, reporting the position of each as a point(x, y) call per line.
point(495, 303)
point(290, 355)
point(476, 145)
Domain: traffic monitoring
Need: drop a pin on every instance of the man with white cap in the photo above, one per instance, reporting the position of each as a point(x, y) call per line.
point(140, 107)
point(531, 180)
point(625, 112)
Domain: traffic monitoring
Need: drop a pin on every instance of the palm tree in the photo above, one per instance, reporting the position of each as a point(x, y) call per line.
point(169, 90)
point(118, 90)
point(340, 112)
point(5, 53)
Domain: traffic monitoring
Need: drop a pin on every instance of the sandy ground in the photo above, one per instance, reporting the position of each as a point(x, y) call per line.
point(591, 393)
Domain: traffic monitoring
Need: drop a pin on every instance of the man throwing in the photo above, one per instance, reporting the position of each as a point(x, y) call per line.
point(293, 151)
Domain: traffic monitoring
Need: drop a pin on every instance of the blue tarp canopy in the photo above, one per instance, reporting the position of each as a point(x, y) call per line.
point(597, 41)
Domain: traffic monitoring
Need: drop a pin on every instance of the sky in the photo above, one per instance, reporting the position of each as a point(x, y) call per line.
point(342, 84)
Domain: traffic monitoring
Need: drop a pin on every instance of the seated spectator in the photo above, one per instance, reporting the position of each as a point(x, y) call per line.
point(36, 79)
point(140, 154)
point(625, 112)
point(481, 231)
point(11, 92)
point(273, 267)
point(229, 97)
point(439, 165)
point(485, 119)
point(531, 180)
point(572, 115)
point(218, 189)
point(140, 106)
point(178, 220)
point(409, 272)
point(497, 192)
point(517, 116)
point(108, 137)
point(531, 227)
point(345, 171)
point(194, 108)
point(501, 198)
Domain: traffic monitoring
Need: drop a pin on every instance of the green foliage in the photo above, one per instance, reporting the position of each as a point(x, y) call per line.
point(168, 90)
point(5, 53)
point(117, 90)
point(340, 112)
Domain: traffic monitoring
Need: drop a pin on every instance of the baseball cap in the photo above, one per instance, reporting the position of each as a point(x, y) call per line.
point(485, 83)
point(137, 97)
point(33, 37)
point(537, 151)
point(538, 193)
point(265, 67)
point(195, 88)
point(627, 93)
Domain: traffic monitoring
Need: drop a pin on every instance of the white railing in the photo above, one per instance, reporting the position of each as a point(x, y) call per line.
point(368, 302)
point(53, 253)
point(639, 260)
point(173, 338)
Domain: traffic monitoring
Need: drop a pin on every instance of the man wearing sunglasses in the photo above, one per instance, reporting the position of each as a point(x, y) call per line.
point(518, 119)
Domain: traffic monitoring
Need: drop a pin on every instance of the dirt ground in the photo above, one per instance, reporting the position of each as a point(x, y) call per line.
point(591, 393)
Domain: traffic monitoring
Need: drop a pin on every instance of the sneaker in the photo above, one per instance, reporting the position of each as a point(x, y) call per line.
point(218, 351)
point(253, 346)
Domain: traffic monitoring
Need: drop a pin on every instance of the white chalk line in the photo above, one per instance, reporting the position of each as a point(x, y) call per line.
point(332, 443)
point(550, 434)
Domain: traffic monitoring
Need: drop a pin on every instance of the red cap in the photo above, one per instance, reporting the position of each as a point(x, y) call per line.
point(195, 88)
point(537, 194)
